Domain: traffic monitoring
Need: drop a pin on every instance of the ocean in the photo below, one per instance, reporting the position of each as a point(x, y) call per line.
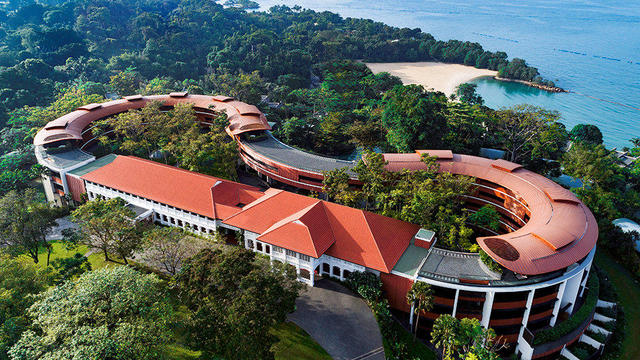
point(591, 48)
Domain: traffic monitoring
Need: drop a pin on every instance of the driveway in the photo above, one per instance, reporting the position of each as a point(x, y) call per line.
point(339, 321)
point(61, 224)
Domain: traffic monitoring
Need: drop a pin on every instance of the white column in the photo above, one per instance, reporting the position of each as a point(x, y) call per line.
point(556, 307)
point(455, 303)
point(571, 291)
point(411, 316)
point(527, 311)
point(584, 282)
point(486, 310)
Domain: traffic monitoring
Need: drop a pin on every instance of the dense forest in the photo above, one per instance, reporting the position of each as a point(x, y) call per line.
point(46, 44)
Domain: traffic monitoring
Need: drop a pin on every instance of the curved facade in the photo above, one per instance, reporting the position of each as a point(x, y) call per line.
point(547, 240)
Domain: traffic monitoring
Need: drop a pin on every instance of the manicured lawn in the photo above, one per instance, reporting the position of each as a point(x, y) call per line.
point(59, 252)
point(97, 261)
point(295, 343)
point(628, 293)
point(417, 350)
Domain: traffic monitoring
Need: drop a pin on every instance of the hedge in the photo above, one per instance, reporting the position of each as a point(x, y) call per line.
point(578, 318)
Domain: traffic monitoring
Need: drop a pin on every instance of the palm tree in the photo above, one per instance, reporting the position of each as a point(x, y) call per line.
point(635, 142)
point(445, 334)
point(421, 297)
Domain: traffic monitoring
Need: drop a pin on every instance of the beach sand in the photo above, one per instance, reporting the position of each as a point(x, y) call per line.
point(432, 75)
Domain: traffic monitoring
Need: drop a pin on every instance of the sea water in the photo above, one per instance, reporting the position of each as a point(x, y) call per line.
point(589, 47)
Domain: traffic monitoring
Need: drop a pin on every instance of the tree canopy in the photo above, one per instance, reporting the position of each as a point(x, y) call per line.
point(234, 300)
point(105, 314)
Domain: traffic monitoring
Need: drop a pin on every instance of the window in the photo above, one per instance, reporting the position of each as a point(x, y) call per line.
point(290, 253)
point(250, 243)
point(304, 273)
point(346, 273)
point(258, 246)
point(326, 268)
point(277, 249)
point(305, 257)
point(336, 271)
point(267, 249)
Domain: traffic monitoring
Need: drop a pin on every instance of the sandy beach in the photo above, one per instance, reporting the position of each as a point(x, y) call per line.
point(432, 75)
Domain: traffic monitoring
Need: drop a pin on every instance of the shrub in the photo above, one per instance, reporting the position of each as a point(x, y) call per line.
point(366, 284)
point(597, 336)
point(491, 264)
point(578, 318)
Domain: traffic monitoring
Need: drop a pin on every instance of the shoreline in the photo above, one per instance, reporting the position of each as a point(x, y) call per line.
point(438, 76)
point(553, 89)
point(445, 77)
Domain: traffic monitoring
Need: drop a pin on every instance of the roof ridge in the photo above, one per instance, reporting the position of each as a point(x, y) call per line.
point(333, 233)
point(195, 173)
point(373, 237)
point(290, 218)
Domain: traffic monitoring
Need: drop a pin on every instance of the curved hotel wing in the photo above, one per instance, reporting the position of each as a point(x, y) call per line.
point(546, 243)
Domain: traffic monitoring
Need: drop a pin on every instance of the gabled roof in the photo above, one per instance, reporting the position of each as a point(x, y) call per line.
point(307, 231)
point(302, 224)
point(173, 186)
point(368, 239)
point(276, 205)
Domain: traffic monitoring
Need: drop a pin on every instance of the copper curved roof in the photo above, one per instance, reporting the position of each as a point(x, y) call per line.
point(561, 229)
point(242, 117)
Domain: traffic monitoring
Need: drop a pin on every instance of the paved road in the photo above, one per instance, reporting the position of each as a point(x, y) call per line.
point(62, 224)
point(339, 321)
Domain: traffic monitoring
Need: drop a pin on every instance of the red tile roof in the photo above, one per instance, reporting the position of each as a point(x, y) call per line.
point(295, 222)
point(202, 194)
point(307, 231)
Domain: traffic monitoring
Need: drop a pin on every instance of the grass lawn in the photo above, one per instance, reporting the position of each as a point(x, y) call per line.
point(417, 350)
point(628, 294)
point(295, 343)
point(59, 252)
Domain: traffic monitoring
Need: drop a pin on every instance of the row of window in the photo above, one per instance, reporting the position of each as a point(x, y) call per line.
point(152, 201)
point(162, 217)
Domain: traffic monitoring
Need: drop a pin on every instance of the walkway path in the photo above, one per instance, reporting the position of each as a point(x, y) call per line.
point(339, 321)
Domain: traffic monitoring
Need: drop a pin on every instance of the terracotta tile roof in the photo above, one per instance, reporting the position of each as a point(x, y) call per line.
point(187, 190)
point(307, 231)
point(295, 222)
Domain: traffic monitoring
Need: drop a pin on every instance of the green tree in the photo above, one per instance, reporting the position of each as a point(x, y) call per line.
point(487, 217)
point(467, 94)
point(108, 226)
point(113, 313)
point(234, 300)
point(420, 297)
point(414, 118)
point(168, 248)
point(586, 133)
point(25, 221)
point(125, 82)
point(464, 339)
point(467, 128)
point(366, 135)
point(19, 283)
point(335, 183)
point(212, 152)
point(530, 132)
point(593, 164)
point(444, 336)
